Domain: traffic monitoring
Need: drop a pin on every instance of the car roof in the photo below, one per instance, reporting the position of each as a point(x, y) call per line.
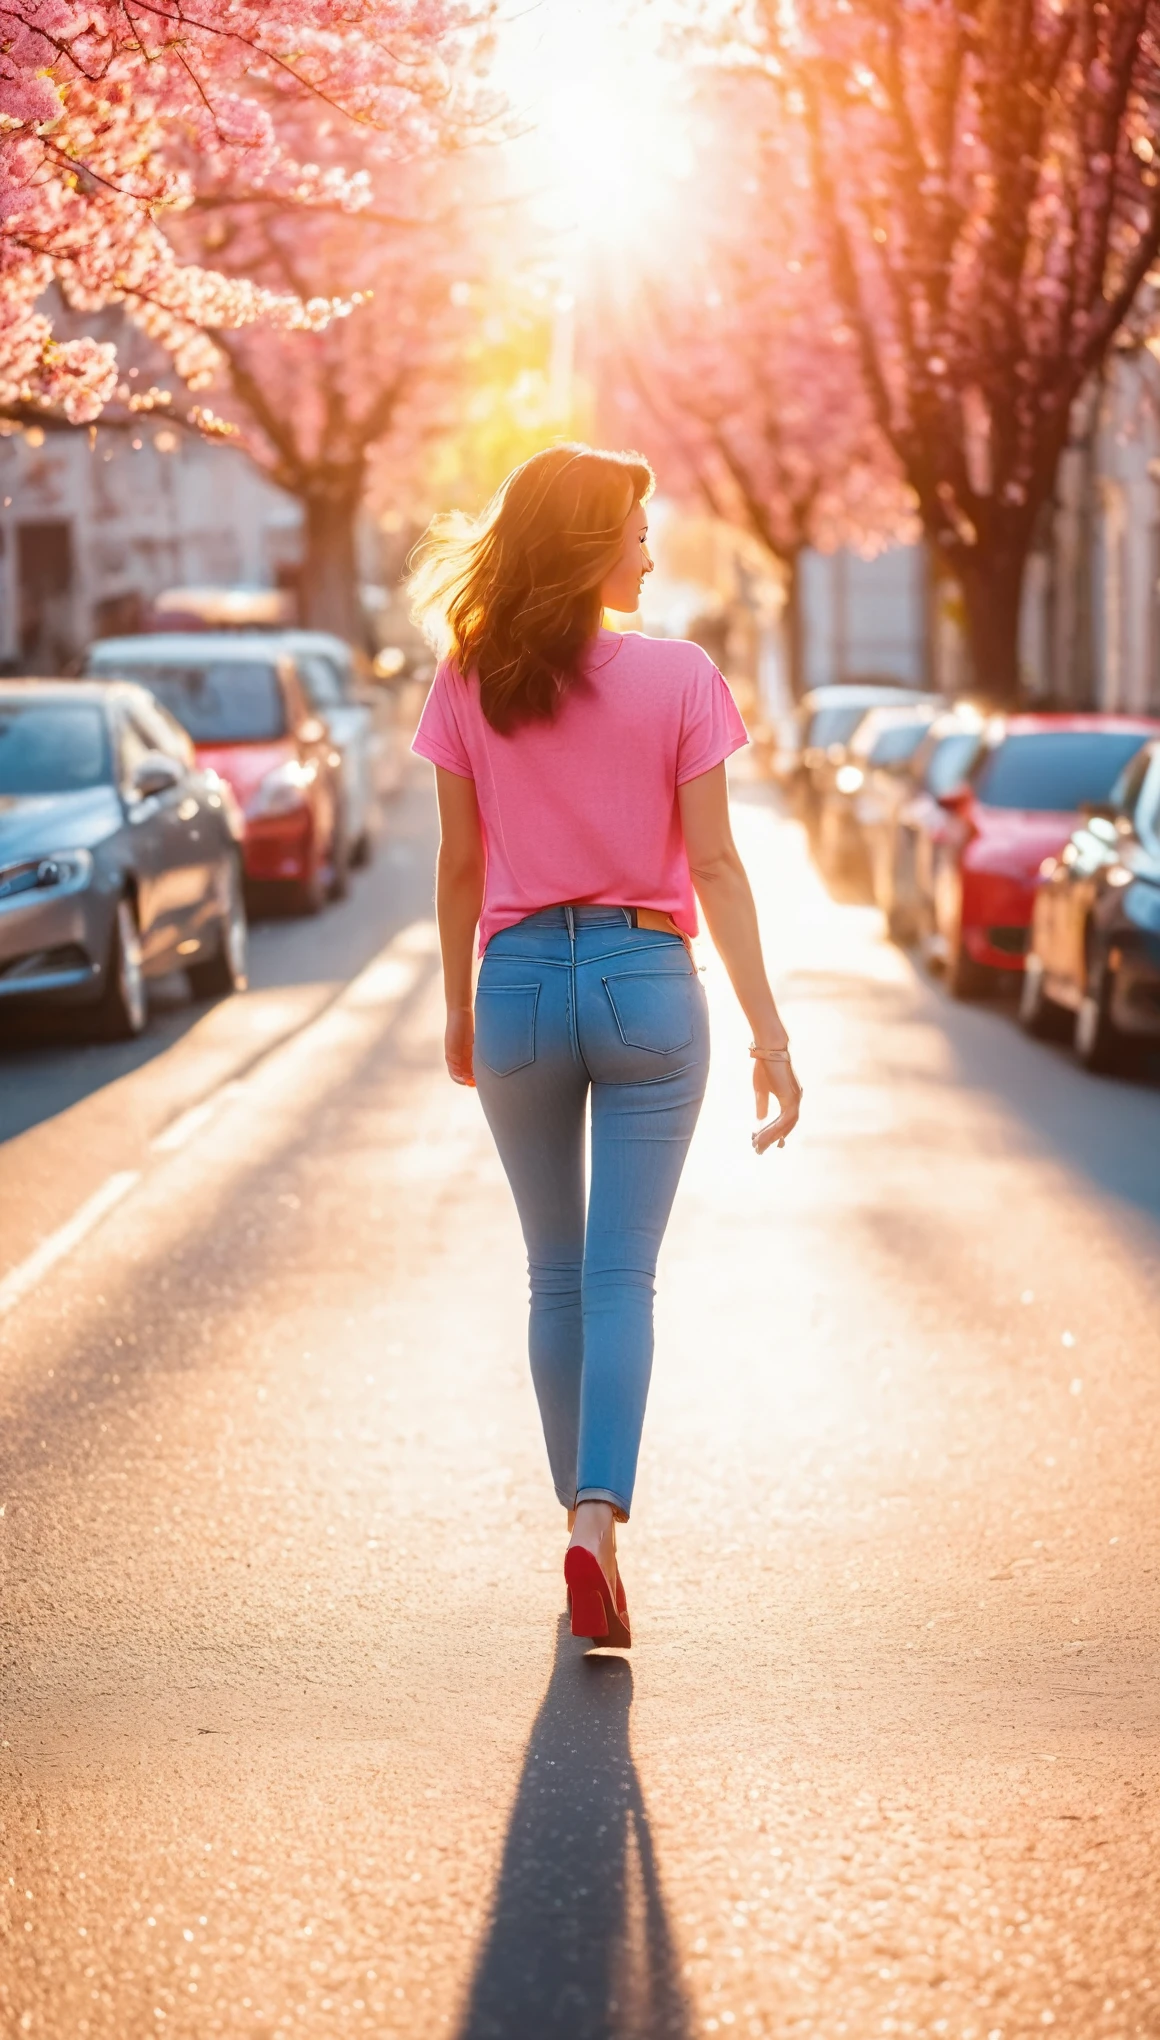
point(315, 640)
point(195, 646)
point(1024, 725)
point(99, 691)
point(859, 693)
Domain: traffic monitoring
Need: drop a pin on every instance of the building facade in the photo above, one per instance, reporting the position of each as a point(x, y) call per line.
point(94, 524)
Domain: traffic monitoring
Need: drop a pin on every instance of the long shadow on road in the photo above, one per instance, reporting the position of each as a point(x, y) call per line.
point(579, 1946)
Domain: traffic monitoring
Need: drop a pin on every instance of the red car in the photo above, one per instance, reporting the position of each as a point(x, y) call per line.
point(1020, 804)
point(243, 703)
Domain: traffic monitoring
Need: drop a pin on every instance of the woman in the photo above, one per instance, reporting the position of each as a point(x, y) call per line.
point(582, 799)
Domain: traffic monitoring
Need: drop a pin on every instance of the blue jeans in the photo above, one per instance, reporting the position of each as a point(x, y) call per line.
point(573, 1001)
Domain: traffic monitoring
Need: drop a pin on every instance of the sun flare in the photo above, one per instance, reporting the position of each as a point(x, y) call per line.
point(604, 134)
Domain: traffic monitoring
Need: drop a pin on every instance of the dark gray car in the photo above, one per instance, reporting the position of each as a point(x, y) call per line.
point(119, 859)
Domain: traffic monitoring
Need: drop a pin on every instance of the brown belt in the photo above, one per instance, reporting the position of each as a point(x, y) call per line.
point(646, 917)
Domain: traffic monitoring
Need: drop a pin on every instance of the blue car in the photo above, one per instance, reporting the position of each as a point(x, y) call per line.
point(119, 859)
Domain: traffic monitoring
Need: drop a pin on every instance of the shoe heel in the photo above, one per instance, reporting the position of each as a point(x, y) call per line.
point(585, 1584)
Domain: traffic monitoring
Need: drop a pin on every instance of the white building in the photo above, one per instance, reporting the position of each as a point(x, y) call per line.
point(865, 619)
point(1091, 616)
point(94, 524)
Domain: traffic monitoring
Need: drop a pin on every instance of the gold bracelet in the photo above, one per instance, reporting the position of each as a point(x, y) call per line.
point(769, 1054)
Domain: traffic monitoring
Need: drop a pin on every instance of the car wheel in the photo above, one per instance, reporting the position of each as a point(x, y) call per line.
point(362, 851)
point(225, 971)
point(1038, 1015)
point(124, 1006)
point(1099, 1045)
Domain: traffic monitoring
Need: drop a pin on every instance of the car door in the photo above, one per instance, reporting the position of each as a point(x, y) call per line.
point(147, 839)
point(191, 839)
point(316, 747)
point(350, 725)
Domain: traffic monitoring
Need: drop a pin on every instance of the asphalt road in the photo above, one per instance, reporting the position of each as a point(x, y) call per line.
point(294, 1741)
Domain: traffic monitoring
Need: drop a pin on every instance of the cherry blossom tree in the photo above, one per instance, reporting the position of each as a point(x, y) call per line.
point(986, 176)
point(324, 412)
point(108, 113)
point(741, 373)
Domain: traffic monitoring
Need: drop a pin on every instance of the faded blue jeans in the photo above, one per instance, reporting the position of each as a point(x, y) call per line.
point(571, 1003)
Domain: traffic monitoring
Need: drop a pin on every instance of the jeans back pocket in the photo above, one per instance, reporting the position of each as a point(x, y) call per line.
point(652, 1009)
point(505, 1026)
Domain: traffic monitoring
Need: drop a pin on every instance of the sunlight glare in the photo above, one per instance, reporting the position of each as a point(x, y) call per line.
point(604, 137)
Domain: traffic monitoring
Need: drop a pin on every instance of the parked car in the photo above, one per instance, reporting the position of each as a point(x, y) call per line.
point(826, 720)
point(853, 793)
point(909, 820)
point(120, 858)
point(245, 706)
point(1094, 957)
point(330, 671)
point(1018, 806)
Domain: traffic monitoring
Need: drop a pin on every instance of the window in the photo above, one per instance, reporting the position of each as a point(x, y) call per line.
point(320, 678)
point(833, 726)
point(1054, 771)
point(165, 732)
point(133, 744)
point(897, 744)
point(950, 762)
point(223, 701)
point(52, 747)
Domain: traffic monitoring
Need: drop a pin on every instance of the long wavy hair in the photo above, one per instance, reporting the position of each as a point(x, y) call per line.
point(514, 596)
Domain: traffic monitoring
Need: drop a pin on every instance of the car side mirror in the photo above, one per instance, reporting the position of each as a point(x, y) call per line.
point(155, 774)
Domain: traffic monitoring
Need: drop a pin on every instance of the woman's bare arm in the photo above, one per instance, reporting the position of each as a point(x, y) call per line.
point(459, 873)
point(723, 890)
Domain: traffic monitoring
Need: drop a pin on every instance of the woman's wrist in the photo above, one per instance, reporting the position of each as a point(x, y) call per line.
point(770, 1033)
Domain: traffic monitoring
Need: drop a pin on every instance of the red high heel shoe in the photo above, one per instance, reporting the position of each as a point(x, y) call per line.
point(598, 1612)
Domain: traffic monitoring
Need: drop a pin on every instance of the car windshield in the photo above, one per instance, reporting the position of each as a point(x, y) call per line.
point(950, 761)
point(834, 725)
point(224, 701)
point(53, 747)
point(1054, 771)
point(897, 744)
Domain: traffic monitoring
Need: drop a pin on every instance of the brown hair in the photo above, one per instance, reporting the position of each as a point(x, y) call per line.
point(515, 595)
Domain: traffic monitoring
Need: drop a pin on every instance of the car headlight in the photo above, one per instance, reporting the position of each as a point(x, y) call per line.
point(283, 790)
point(1142, 906)
point(62, 870)
point(848, 778)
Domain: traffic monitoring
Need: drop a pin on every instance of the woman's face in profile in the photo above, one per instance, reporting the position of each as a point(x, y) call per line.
point(620, 590)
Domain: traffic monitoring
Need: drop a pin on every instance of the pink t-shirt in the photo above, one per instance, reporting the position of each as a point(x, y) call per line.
point(584, 808)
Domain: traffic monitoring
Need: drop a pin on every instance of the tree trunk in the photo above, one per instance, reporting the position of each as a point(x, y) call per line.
point(330, 590)
point(793, 624)
point(992, 599)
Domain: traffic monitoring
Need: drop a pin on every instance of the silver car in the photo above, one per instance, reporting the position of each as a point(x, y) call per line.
point(119, 860)
point(328, 667)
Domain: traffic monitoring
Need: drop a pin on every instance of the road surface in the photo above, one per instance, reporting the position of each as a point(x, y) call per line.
point(294, 1739)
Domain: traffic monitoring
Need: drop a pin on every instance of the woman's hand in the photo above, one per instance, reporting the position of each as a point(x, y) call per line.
point(775, 1079)
point(459, 1044)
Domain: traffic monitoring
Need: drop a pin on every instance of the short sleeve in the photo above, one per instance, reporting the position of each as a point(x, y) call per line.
point(711, 726)
point(439, 736)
